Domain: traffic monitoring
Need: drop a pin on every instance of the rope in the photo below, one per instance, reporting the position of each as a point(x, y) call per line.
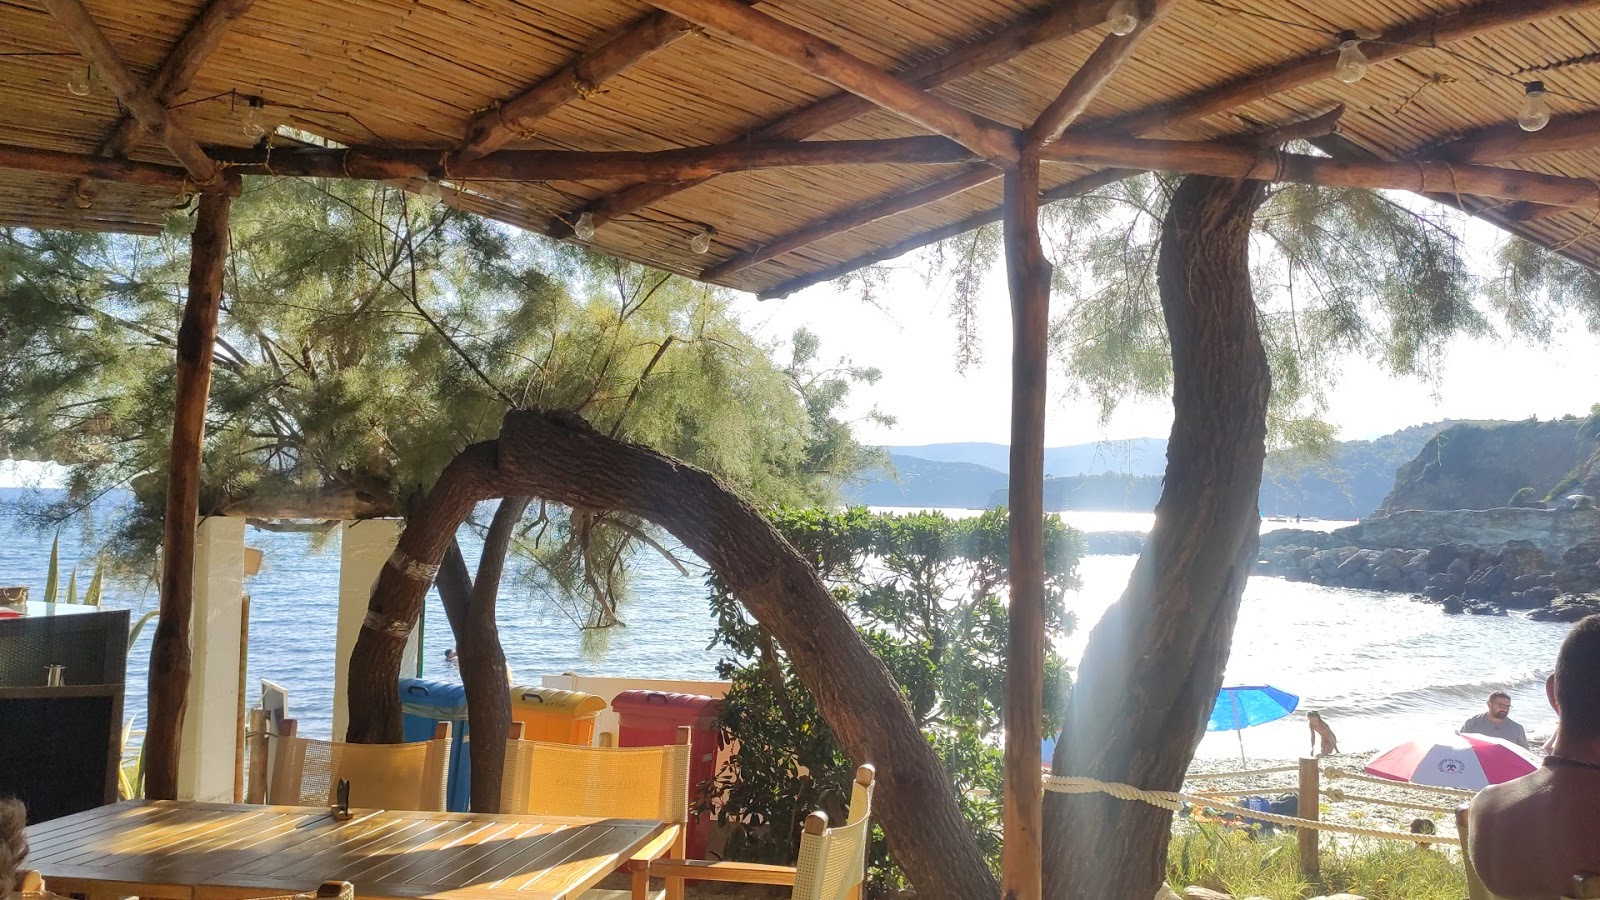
point(1214, 775)
point(1336, 794)
point(1173, 800)
point(1432, 789)
point(1266, 789)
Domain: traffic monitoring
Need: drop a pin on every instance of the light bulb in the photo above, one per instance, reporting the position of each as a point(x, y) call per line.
point(584, 228)
point(1535, 112)
point(252, 125)
point(1123, 17)
point(1352, 62)
point(431, 190)
point(81, 81)
point(701, 243)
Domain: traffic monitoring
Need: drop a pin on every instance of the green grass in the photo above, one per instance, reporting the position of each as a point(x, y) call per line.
point(1230, 860)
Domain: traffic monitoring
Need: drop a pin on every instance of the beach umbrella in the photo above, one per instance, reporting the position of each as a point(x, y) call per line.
point(1467, 761)
point(1240, 707)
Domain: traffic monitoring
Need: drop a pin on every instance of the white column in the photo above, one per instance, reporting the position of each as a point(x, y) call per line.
point(211, 721)
point(364, 546)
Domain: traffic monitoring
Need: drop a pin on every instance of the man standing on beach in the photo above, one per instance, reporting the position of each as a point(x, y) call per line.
point(1530, 836)
point(1497, 721)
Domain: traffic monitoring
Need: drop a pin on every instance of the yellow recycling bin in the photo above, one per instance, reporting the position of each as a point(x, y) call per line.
point(561, 717)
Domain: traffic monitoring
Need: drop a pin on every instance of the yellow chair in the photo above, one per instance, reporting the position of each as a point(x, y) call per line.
point(832, 861)
point(1584, 887)
point(546, 779)
point(381, 776)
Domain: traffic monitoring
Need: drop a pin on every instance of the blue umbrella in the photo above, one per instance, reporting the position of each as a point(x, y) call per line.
point(1240, 707)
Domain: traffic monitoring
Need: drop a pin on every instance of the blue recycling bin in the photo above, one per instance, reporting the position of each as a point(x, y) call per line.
point(426, 702)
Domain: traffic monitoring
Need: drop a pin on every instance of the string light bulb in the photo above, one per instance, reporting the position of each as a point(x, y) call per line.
point(701, 243)
point(81, 81)
point(1123, 17)
point(1535, 112)
point(252, 126)
point(1353, 63)
point(431, 190)
point(583, 229)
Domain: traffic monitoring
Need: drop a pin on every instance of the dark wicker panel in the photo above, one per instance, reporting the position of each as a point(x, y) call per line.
point(91, 643)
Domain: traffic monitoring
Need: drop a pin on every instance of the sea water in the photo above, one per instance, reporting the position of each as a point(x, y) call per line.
point(1381, 667)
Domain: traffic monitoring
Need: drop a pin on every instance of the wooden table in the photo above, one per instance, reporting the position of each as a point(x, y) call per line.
point(180, 850)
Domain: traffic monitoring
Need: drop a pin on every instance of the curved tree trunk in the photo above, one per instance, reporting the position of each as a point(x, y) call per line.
point(483, 662)
point(559, 457)
point(1153, 665)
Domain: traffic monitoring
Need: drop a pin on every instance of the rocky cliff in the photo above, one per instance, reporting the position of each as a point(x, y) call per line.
point(1472, 466)
point(1553, 531)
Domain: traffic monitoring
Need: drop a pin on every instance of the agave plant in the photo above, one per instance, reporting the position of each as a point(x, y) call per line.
point(52, 578)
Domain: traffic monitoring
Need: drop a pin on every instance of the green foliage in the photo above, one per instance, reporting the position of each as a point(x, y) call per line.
point(92, 594)
point(52, 578)
point(1524, 498)
point(929, 596)
point(1240, 863)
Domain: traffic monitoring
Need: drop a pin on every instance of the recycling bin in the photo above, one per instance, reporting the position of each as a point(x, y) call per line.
point(425, 702)
point(561, 717)
point(652, 718)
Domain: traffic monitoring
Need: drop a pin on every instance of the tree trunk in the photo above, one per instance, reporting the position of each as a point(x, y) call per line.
point(559, 457)
point(483, 662)
point(455, 589)
point(1153, 665)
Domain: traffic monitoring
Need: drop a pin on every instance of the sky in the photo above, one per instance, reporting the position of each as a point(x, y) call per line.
point(910, 336)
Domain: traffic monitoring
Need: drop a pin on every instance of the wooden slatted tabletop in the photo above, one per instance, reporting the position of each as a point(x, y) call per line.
point(179, 850)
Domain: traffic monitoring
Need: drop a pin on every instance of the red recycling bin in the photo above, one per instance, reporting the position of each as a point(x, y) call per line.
point(652, 719)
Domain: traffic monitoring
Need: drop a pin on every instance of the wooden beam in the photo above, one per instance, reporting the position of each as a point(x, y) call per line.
point(1229, 160)
point(1096, 71)
point(1076, 187)
point(1059, 20)
point(169, 651)
point(86, 166)
point(1530, 212)
point(177, 74)
point(504, 122)
point(1394, 44)
point(1506, 143)
point(379, 163)
point(92, 43)
point(1028, 275)
point(850, 219)
point(815, 56)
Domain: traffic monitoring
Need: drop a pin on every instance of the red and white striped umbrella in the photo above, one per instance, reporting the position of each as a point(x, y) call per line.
point(1468, 761)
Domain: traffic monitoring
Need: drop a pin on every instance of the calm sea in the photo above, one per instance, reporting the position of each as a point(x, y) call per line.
point(1379, 666)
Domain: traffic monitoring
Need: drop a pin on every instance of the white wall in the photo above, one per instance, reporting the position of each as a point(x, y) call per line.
point(210, 741)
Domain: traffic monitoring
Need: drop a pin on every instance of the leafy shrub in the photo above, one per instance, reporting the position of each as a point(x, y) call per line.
point(928, 594)
point(1241, 863)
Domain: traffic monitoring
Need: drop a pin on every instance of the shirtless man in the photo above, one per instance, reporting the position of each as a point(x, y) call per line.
point(1530, 836)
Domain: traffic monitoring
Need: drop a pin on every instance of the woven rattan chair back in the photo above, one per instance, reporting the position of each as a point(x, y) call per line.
point(833, 861)
point(545, 779)
point(382, 776)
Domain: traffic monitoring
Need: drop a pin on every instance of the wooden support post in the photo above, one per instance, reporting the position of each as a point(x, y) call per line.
point(244, 659)
point(256, 742)
point(169, 651)
point(1310, 806)
point(1029, 278)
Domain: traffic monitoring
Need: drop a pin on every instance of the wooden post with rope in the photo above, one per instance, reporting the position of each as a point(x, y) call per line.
point(1309, 807)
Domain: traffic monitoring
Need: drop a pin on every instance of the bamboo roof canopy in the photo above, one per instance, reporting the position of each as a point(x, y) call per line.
point(803, 138)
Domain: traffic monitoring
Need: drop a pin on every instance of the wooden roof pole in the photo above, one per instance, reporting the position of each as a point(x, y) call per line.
point(1028, 274)
point(1402, 41)
point(1509, 142)
point(177, 74)
point(86, 166)
point(1082, 88)
point(92, 43)
point(1233, 160)
point(504, 122)
point(169, 650)
point(1062, 19)
point(1096, 71)
point(813, 55)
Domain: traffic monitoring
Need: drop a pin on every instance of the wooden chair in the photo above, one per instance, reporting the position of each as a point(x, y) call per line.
point(32, 887)
point(381, 776)
point(1584, 887)
point(547, 779)
point(832, 863)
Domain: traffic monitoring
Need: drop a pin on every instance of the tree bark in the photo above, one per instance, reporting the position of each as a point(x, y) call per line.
point(170, 655)
point(1153, 665)
point(559, 457)
point(483, 662)
point(455, 589)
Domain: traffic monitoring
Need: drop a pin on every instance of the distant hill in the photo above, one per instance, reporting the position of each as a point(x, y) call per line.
point(1137, 456)
point(1481, 465)
point(1349, 483)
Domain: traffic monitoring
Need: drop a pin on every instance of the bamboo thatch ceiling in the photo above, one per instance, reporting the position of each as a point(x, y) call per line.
point(416, 73)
